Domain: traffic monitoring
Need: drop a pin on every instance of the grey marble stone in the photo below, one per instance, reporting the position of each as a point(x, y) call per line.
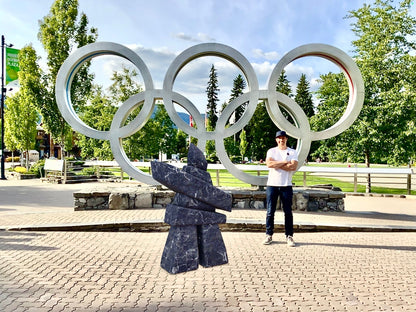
point(181, 250)
point(176, 215)
point(196, 158)
point(194, 236)
point(212, 250)
point(200, 174)
point(185, 183)
point(192, 203)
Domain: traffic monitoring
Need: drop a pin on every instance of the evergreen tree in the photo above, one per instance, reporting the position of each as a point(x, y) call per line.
point(212, 94)
point(261, 133)
point(239, 84)
point(304, 97)
point(232, 143)
point(283, 85)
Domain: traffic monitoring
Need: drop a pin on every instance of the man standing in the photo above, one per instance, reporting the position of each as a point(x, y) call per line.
point(282, 162)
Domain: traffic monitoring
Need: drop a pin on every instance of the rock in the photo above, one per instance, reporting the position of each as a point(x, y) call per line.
point(118, 201)
point(143, 200)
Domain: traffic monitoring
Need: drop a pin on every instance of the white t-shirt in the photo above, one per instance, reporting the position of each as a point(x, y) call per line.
point(279, 177)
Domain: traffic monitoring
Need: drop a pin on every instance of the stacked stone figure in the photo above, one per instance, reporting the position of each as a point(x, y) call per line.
point(194, 236)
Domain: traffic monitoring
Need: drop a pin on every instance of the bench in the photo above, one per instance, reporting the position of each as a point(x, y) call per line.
point(54, 170)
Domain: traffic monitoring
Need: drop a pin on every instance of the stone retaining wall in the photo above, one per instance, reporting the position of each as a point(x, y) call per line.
point(136, 197)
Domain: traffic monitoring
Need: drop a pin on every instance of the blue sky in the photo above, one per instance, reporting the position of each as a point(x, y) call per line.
point(262, 30)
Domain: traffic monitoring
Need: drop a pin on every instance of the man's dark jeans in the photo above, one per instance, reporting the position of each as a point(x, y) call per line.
point(286, 195)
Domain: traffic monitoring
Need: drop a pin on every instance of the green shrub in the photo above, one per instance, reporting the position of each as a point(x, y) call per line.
point(235, 159)
point(89, 170)
point(212, 159)
point(38, 168)
point(75, 161)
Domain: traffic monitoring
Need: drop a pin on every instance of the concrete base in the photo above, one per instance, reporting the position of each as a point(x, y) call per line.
point(322, 198)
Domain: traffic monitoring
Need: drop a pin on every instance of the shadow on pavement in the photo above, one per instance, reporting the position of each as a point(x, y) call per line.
point(364, 215)
point(21, 241)
point(397, 248)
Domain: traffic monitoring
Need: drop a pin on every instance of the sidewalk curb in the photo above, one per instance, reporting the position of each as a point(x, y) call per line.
point(232, 225)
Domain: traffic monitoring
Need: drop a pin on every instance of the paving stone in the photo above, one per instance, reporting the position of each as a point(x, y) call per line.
point(325, 272)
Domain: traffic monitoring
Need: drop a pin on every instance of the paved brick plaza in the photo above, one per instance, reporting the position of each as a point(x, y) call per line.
point(98, 271)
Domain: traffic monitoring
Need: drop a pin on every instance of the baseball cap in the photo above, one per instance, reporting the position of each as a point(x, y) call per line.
point(281, 133)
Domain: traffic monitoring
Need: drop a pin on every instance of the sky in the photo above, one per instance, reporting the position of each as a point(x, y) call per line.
point(261, 30)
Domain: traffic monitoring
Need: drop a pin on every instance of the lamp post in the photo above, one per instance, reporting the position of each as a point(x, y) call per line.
point(3, 95)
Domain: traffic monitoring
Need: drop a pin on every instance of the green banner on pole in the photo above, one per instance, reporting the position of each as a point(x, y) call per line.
point(12, 64)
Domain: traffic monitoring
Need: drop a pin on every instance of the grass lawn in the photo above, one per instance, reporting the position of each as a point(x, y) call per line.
point(226, 179)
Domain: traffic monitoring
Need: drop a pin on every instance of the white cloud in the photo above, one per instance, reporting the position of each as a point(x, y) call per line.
point(270, 56)
point(315, 84)
point(205, 37)
point(263, 71)
point(200, 37)
point(185, 37)
point(262, 30)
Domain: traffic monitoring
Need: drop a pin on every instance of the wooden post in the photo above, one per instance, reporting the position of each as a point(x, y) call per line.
point(355, 182)
point(409, 182)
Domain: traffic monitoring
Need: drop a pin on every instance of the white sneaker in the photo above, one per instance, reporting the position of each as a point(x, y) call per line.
point(268, 240)
point(290, 241)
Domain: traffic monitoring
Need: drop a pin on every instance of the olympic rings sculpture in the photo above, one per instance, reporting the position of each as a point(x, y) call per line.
point(301, 130)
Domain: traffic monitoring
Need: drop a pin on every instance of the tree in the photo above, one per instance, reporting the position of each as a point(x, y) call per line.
point(283, 85)
point(333, 98)
point(261, 129)
point(304, 97)
point(12, 123)
point(21, 112)
point(100, 111)
point(124, 85)
point(239, 84)
point(157, 136)
point(385, 129)
point(181, 143)
point(166, 132)
point(260, 133)
point(212, 94)
point(232, 143)
point(98, 114)
point(60, 33)
point(21, 117)
point(243, 144)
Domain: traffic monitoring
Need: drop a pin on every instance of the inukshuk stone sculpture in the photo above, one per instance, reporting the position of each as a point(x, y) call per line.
point(194, 236)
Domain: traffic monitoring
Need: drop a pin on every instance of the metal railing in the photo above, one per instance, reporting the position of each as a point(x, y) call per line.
point(403, 178)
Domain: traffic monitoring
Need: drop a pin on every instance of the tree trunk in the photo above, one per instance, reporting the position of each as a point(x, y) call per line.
point(27, 160)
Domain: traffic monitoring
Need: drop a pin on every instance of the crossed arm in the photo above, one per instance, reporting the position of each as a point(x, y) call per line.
point(282, 164)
